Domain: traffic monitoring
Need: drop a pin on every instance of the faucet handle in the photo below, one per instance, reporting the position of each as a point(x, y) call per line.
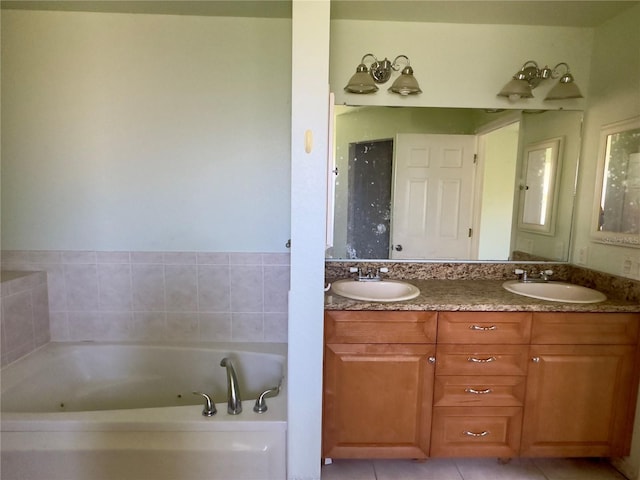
point(518, 271)
point(209, 409)
point(261, 405)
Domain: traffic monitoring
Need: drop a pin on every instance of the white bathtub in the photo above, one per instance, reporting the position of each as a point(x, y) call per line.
point(93, 411)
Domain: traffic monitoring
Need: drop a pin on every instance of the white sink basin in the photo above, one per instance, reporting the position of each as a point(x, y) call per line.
point(555, 291)
point(382, 291)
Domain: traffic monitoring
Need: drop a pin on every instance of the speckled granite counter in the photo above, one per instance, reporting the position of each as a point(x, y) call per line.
point(475, 295)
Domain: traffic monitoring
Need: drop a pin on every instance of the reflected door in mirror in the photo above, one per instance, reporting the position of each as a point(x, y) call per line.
point(433, 193)
point(369, 202)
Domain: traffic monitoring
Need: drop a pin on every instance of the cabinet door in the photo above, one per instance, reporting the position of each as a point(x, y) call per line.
point(579, 401)
point(377, 401)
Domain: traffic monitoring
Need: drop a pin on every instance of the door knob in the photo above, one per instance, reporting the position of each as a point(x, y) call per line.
point(398, 248)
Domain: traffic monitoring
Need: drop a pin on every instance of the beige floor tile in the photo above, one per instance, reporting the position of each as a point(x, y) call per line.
point(577, 469)
point(348, 470)
point(491, 469)
point(432, 469)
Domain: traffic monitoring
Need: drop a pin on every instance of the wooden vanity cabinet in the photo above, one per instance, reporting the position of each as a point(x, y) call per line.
point(582, 385)
point(378, 381)
point(500, 384)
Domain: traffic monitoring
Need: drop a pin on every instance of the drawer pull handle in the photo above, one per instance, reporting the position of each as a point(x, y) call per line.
point(483, 329)
point(478, 392)
point(473, 434)
point(481, 360)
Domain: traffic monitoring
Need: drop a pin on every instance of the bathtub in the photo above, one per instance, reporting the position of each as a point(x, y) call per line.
point(94, 411)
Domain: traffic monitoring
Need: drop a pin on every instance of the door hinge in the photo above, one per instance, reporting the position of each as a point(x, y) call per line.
point(470, 232)
point(475, 158)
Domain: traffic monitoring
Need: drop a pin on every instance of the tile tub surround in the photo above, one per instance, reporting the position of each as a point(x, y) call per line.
point(614, 287)
point(24, 314)
point(149, 296)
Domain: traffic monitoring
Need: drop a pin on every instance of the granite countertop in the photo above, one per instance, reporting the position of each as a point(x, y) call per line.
point(475, 295)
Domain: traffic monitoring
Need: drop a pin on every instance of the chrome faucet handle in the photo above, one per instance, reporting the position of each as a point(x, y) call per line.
point(209, 409)
point(546, 274)
point(261, 405)
point(521, 274)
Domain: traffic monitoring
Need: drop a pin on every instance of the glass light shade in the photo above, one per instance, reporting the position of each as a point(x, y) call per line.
point(565, 88)
point(406, 83)
point(361, 81)
point(515, 89)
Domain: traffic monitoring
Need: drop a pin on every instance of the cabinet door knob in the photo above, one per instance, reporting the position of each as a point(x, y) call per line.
point(473, 434)
point(431, 360)
point(483, 329)
point(535, 359)
point(481, 360)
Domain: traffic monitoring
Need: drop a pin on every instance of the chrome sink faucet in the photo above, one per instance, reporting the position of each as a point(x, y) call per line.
point(532, 277)
point(369, 275)
point(234, 402)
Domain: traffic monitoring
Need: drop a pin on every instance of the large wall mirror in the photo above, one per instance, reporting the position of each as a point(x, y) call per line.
point(616, 217)
point(445, 184)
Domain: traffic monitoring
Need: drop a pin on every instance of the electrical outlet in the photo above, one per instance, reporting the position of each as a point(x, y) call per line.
point(559, 253)
point(631, 267)
point(583, 254)
point(627, 266)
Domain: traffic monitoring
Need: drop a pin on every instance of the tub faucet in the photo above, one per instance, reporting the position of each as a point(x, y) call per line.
point(234, 402)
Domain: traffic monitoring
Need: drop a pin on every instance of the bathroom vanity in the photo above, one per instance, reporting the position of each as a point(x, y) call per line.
point(468, 369)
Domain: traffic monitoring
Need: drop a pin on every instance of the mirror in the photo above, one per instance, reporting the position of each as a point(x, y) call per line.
point(537, 213)
point(616, 217)
point(379, 208)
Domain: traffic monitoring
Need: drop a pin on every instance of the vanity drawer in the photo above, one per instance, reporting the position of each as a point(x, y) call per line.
point(346, 326)
point(479, 391)
point(476, 432)
point(481, 359)
point(484, 327)
point(585, 328)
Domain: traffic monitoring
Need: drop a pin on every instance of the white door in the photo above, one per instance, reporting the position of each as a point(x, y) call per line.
point(432, 198)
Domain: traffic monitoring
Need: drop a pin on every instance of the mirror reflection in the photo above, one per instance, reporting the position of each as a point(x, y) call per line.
point(540, 174)
point(617, 213)
point(444, 183)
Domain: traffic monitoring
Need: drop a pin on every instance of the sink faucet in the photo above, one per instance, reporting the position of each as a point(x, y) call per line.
point(234, 402)
point(532, 277)
point(368, 275)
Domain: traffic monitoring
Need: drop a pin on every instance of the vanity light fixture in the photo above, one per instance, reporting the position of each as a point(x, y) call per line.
point(530, 76)
point(379, 71)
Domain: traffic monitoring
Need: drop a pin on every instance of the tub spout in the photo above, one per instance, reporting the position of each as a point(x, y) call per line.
point(234, 402)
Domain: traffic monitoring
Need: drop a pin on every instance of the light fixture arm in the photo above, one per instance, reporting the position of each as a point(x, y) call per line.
point(566, 77)
point(395, 64)
point(380, 70)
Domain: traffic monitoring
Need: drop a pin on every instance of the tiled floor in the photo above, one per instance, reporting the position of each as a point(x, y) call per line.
point(471, 469)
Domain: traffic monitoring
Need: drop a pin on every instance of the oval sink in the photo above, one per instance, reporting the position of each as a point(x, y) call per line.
point(555, 291)
point(382, 291)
